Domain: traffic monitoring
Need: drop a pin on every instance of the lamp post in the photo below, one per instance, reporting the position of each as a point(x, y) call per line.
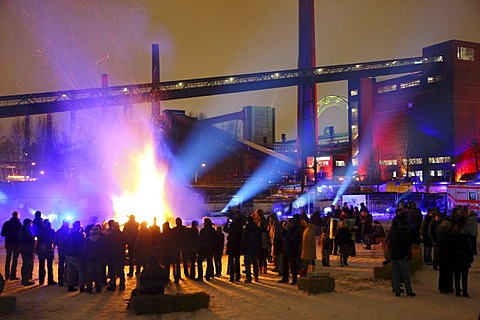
point(452, 176)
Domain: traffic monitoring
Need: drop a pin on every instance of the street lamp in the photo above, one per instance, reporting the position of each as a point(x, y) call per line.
point(452, 178)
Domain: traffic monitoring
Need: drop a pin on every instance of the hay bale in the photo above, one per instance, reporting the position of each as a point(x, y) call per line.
point(417, 259)
point(383, 272)
point(315, 283)
point(164, 303)
point(7, 304)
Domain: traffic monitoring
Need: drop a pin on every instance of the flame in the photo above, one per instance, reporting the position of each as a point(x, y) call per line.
point(143, 182)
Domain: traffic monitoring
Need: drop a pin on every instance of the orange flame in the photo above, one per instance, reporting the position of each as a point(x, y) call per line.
point(143, 184)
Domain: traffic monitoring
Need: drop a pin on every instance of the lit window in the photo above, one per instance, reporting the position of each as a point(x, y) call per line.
point(355, 162)
point(412, 161)
point(466, 54)
point(409, 84)
point(432, 173)
point(394, 174)
point(353, 92)
point(340, 163)
point(392, 162)
point(433, 79)
point(385, 89)
point(439, 160)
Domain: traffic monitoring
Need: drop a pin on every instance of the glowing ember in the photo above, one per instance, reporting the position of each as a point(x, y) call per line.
point(142, 181)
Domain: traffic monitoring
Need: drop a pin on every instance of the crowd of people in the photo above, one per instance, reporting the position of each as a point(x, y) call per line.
point(96, 256)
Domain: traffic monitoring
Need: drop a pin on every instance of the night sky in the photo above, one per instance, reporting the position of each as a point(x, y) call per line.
point(52, 45)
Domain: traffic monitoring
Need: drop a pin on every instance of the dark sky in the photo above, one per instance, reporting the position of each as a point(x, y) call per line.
point(54, 45)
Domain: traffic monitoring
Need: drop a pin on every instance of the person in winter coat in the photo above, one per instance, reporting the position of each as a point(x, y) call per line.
point(462, 259)
point(217, 255)
point(76, 273)
point(190, 248)
point(250, 248)
point(444, 254)
point(343, 239)
point(325, 246)
point(178, 235)
point(399, 242)
point(94, 253)
point(45, 252)
point(292, 241)
point(366, 219)
point(60, 241)
point(309, 246)
point(206, 247)
point(166, 246)
point(131, 231)
point(433, 233)
point(414, 218)
point(11, 230)
point(115, 243)
point(275, 232)
point(471, 230)
point(27, 250)
point(234, 229)
point(427, 240)
point(143, 247)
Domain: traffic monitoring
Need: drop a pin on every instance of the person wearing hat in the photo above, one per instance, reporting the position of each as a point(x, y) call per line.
point(95, 255)
point(131, 231)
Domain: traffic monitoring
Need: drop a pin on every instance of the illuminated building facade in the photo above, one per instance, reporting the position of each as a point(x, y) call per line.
point(424, 126)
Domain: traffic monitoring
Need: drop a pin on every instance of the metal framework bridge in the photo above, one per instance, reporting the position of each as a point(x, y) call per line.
point(72, 100)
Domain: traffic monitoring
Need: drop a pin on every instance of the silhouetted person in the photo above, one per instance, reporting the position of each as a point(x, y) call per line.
point(60, 241)
point(27, 250)
point(116, 243)
point(156, 232)
point(94, 253)
point(166, 247)
point(191, 244)
point(292, 239)
point(45, 252)
point(76, 273)
point(250, 248)
point(11, 230)
point(206, 248)
point(143, 246)
point(234, 229)
point(217, 255)
point(131, 231)
point(178, 249)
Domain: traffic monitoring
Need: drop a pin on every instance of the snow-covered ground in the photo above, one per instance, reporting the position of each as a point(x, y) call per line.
point(357, 296)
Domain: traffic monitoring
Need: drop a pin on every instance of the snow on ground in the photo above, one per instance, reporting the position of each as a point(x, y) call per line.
point(357, 296)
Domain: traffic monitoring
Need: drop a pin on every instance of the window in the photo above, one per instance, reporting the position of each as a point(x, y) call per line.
point(439, 159)
point(433, 79)
point(409, 84)
point(416, 175)
point(412, 161)
point(392, 162)
point(385, 89)
point(355, 162)
point(353, 93)
point(466, 54)
point(340, 163)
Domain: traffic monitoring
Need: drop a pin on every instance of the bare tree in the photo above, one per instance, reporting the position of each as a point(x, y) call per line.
point(472, 136)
